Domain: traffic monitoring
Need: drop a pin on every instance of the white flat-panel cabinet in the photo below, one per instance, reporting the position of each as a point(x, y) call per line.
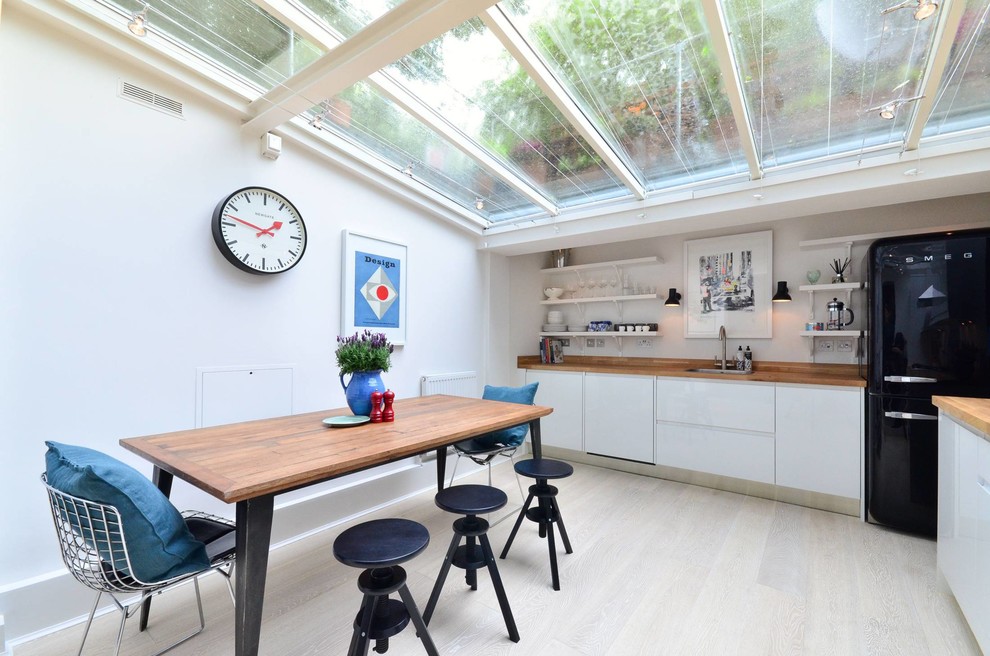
point(964, 522)
point(562, 391)
point(618, 416)
point(819, 438)
point(717, 427)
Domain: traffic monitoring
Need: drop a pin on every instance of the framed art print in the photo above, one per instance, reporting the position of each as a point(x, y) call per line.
point(727, 282)
point(374, 287)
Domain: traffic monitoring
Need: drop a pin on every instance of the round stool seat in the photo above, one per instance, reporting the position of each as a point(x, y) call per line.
point(543, 468)
point(471, 499)
point(381, 543)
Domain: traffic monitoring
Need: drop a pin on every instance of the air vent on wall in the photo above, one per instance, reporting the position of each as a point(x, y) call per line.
point(151, 99)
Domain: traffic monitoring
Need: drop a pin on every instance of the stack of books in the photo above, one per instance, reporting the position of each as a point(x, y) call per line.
point(551, 351)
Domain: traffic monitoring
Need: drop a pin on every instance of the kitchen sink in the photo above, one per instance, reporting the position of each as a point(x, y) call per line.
point(734, 372)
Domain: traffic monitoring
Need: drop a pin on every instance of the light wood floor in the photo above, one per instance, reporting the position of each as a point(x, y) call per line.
point(658, 568)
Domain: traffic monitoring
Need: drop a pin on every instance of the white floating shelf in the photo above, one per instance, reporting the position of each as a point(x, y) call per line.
point(603, 265)
point(606, 333)
point(599, 299)
point(833, 333)
point(831, 287)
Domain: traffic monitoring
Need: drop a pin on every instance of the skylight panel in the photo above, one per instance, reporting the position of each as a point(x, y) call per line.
point(644, 74)
point(963, 101)
point(470, 80)
point(235, 35)
point(815, 73)
point(366, 117)
point(347, 17)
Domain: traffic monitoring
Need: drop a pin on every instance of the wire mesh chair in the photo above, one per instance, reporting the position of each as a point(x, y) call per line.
point(95, 552)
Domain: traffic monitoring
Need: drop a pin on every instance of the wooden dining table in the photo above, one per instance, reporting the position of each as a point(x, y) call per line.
point(251, 462)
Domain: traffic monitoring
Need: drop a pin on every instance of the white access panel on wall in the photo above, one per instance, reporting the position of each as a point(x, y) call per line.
point(226, 395)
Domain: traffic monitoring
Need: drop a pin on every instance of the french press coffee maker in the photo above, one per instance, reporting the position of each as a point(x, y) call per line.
point(836, 311)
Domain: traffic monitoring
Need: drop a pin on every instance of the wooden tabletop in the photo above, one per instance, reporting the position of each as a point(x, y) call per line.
point(972, 411)
point(254, 458)
point(802, 373)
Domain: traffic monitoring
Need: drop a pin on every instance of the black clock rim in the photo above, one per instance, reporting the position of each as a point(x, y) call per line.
point(222, 244)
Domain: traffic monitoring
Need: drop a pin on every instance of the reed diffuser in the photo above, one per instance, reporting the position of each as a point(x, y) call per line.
point(840, 270)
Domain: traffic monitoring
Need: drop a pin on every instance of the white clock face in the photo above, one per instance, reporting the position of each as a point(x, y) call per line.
point(259, 231)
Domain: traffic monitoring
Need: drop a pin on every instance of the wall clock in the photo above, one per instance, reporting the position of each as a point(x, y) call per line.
point(259, 231)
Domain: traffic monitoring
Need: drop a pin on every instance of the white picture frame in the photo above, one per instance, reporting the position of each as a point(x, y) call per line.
point(728, 281)
point(373, 287)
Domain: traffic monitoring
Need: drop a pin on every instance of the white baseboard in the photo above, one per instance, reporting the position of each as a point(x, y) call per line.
point(43, 604)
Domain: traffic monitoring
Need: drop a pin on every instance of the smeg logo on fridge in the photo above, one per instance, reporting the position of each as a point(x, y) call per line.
point(931, 258)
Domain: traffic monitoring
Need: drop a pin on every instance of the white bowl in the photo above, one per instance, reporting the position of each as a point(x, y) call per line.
point(553, 292)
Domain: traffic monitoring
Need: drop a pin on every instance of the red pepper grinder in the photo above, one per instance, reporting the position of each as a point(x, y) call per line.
point(376, 407)
point(388, 414)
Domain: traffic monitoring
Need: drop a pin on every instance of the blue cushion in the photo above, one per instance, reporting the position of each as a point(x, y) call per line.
point(158, 542)
point(508, 436)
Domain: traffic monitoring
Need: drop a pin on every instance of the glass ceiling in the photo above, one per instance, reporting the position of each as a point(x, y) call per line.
point(537, 107)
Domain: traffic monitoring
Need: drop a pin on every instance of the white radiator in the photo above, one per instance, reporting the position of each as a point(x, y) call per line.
point(464, 383)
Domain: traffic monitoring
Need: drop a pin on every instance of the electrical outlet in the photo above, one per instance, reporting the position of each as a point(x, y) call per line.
point(589, 342)
point(826, 345)
point(844, 346)
point(644, 342)
point(600, 342)
point(565, 342)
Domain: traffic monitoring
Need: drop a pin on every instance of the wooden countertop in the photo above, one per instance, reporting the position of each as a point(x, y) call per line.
point(805, 373)
point(974, 412)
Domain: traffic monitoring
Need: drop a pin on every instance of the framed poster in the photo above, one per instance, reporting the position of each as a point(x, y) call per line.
point(728, 282)
point(374, 287)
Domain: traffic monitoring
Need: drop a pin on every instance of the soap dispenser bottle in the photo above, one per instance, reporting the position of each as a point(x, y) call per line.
point(740, 359)
point(749, 359)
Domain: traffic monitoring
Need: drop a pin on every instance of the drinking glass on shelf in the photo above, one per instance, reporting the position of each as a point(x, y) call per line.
point(581, 287)
point(602, 284)
point(612, 283)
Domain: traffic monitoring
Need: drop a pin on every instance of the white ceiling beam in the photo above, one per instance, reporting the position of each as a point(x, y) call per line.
point(317, 32)
point(385, 40)
point(950, 14)
point(719, 32)
point(502, 27)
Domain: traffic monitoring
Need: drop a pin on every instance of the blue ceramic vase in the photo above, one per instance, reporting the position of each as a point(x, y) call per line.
point(358, 390)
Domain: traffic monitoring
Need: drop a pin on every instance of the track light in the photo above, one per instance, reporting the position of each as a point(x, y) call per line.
point(783, 295)
point(139, 22)
point(409, 169)
point(888, 110)
point(673, 298)
point(479, 203)
point(922, 8)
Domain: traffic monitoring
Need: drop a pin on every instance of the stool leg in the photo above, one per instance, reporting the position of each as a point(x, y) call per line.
point(441, 578)
point(560, 524)
point(515, 529)
point(553, 555)
point(360, 640)
point(417, 620)
point(503, 600)
point(471, 575)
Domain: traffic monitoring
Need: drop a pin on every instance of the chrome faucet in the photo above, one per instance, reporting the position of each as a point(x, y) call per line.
point(722, 340)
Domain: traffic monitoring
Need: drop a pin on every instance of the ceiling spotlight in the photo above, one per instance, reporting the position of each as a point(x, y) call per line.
point(922, 8)
point(479, 203)
point(317, 121)
point(888, 110)
point(409, 169)
point(139, 22)
point(758, 196)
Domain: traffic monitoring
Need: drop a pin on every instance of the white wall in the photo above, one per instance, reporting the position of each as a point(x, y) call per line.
point(113, 292)
point(790, 263)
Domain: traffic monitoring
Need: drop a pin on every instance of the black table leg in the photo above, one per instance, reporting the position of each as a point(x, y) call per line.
point(441, 467)
point(254, 531)
point(163, 481)
point(537, 442)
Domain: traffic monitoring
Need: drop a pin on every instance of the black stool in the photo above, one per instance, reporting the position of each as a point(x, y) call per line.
point(379, 546)
point(547, 514)
point(472, 500)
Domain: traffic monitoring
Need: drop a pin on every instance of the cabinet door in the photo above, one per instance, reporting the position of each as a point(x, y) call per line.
point(958, 508)
point(819, 438)
point(618, 416)
point(980, 618)
point(562, 391)
point(721, 404)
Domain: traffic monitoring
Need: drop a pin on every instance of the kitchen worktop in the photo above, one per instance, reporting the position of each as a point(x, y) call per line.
point(974, 412)
point(806, 373)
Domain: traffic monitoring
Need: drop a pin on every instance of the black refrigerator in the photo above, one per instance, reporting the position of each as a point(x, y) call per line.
point(928, 297)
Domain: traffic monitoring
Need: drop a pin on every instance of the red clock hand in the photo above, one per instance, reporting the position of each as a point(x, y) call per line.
point(274, 226)
point(264, 231)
